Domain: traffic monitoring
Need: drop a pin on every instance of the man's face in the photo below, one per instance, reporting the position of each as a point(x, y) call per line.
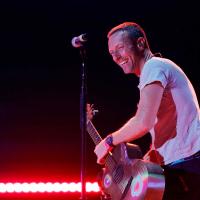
point(123, 52)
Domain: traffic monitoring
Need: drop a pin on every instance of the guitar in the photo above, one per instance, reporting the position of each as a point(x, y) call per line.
point(126, 176)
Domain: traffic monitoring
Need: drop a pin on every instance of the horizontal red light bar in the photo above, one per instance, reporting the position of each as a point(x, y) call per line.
point(46, 187)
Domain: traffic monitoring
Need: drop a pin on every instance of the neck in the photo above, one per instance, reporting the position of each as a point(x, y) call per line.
point(146, 56)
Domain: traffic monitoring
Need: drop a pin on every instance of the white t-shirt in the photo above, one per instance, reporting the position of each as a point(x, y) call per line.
point(176, 133)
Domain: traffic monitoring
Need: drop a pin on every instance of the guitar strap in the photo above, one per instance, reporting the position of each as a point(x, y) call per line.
point(126, 188)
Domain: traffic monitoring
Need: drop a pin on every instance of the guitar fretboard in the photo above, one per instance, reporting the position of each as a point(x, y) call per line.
point(110, 162)
point(93, 133)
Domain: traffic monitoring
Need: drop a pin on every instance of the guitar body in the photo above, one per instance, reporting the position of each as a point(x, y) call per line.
point(132, 179)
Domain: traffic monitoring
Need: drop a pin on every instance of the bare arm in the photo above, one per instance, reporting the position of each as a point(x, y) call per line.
point(138, 125)
point(144, 119)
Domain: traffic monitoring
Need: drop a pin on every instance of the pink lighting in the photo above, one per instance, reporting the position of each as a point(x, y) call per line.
point(47, 187)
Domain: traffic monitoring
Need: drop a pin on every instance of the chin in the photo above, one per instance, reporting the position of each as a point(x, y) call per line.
point(128, 70)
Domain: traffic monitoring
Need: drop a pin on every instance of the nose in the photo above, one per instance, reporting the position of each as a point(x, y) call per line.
point(116, 56)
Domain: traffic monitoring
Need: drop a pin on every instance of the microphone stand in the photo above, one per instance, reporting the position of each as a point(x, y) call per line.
point(83, 94)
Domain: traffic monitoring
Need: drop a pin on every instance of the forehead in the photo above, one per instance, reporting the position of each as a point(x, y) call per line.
point(117, 38)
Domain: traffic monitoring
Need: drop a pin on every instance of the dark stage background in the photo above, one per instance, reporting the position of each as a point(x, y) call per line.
point(40, 77)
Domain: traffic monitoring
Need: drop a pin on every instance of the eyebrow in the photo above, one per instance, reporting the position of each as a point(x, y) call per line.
point(117, 46)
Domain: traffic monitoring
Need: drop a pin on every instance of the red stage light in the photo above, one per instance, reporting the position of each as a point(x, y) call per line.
point(47, 187)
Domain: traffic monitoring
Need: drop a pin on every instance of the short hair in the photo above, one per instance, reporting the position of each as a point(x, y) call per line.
point(133, 29)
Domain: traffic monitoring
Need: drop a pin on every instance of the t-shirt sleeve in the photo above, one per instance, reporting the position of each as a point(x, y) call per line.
point(153, 72)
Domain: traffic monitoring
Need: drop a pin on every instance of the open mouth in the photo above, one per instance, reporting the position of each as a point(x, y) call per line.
point(124, 61)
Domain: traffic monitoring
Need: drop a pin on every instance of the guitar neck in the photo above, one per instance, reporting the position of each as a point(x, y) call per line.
point(109, 162)
point(93, 133)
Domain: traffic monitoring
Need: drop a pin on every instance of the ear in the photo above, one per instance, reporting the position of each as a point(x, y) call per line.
point(141, 43)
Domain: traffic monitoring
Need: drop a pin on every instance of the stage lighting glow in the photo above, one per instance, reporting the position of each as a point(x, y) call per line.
point(47, 187)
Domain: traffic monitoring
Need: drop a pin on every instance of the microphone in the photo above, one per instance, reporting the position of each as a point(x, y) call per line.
point(79, 40)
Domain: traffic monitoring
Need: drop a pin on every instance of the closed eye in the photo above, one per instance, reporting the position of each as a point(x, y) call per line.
point(119, 48)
